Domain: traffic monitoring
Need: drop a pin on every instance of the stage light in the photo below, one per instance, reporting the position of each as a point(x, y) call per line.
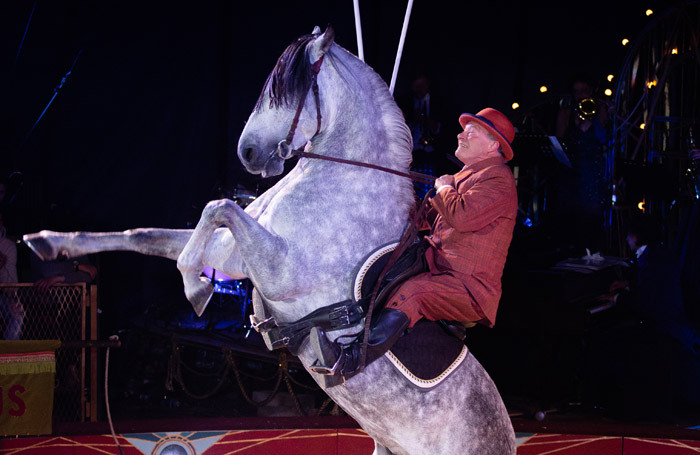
point(610, 77)
point(608, 92)
point(649, 12)
point(674, 50)
point(543, 89)
point(642, 126)
point(651, 84)
point(625, 42)
point(515, 106)
point(640, 206)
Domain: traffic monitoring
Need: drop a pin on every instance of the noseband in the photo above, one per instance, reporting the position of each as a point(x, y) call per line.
point(285, 151)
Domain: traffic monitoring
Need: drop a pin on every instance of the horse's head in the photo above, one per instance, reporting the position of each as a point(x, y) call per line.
point(285, 96)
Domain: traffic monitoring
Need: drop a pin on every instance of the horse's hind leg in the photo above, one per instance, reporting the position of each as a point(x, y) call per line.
point(381, 450)
point(167, 243)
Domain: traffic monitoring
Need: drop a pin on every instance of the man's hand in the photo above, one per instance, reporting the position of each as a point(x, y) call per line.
point(45, 283)
point(445, 180)
point(618, 286)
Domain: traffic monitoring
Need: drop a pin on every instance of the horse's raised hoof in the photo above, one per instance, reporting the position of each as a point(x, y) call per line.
point(40, 245)
point(199, 294)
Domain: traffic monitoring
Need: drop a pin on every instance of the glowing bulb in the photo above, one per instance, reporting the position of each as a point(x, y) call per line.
point(610, 77)
point(543, 89)
point(515, 105)
point(651, 84)
point(649, 12)
point(625, 42)
point(642, 126)
point(640, 206)
point(674, 50)
point(608, 92)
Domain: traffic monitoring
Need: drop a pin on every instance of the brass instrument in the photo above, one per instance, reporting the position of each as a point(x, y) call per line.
point(586, 109)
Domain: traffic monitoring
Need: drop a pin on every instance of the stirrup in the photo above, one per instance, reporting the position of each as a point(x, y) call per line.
point(324, 370)
point(322, 347)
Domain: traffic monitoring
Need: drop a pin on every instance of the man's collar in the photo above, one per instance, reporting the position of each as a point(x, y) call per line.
point(483, 164)
point(640, 251)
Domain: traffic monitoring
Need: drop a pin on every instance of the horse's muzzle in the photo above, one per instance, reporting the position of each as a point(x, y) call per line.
point(258, 161)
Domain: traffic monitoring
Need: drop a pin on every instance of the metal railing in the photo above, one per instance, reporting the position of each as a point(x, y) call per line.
point(65, 312)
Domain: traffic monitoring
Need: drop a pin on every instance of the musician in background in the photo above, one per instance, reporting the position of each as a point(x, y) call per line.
point(582, 193)
point(422, 111)
point(647, 321)
point(11, 309)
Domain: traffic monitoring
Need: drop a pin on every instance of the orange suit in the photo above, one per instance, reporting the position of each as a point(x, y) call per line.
point(469, 244)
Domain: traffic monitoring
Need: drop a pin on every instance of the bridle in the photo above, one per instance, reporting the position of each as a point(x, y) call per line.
point(285, 151)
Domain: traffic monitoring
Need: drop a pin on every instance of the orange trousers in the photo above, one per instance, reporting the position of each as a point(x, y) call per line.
point(435, 297)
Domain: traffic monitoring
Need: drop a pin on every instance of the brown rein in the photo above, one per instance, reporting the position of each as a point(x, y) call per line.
point(415, 176)
point(284, 150)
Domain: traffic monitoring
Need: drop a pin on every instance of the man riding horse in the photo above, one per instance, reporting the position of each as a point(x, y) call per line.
point(475, 214)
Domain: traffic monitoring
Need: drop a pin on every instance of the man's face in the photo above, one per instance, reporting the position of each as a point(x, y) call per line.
point(474, 144)
point(582, 91)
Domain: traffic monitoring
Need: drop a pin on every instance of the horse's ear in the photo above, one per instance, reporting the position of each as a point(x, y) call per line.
point(321, 44)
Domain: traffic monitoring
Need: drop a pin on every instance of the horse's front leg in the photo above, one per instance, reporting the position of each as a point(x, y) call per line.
point(261, 252)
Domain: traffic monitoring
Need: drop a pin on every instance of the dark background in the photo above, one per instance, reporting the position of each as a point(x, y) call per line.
point(144, 130)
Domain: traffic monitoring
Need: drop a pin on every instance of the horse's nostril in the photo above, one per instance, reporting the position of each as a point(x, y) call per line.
point(248, 153)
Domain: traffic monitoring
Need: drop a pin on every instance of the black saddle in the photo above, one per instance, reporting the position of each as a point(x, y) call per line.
point(410, 263)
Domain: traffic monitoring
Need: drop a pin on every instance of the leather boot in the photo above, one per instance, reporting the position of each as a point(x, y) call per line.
point(345, 360)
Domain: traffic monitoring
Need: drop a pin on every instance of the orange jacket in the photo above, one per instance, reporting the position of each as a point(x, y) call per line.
point(473, 229)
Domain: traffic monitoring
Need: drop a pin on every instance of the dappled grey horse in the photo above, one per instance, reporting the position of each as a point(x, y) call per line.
point(300, 241)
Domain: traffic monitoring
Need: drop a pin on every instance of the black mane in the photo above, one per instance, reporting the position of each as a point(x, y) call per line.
point(291, 76)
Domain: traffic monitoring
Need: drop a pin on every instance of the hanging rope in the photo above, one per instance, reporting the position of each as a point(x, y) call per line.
point(176, 366)
point(358, 31)
point(56, 91)
point(399, 52)
point(26, 29)
point(175, 373)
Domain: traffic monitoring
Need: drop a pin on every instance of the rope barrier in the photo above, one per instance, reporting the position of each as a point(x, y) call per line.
point(176, 365)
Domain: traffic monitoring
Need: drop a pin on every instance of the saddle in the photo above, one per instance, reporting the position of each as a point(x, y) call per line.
point(427, 354)
point(430, 351)
point(348, 313)
point(410, 263)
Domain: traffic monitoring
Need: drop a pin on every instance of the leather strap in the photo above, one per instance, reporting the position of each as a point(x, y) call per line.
point(337, 316)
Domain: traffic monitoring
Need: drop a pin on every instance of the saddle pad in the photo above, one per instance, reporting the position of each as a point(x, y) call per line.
point(427, 355)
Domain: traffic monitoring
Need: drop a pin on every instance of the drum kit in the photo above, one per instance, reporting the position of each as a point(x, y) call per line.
point(229, 306)
point(231, 303)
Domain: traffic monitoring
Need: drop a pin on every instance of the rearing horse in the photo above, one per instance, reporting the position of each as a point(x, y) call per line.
point(300, 241)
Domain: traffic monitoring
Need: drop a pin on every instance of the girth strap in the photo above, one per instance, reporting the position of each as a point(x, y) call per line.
point(337, 316)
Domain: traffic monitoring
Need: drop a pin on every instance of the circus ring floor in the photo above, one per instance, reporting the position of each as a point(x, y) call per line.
point(332, 435)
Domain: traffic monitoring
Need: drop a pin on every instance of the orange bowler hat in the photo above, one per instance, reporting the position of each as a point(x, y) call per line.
point(497, 124)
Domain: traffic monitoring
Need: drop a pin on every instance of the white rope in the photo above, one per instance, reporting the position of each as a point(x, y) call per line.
point(109, 414)
point(358, 31)
point(401, 43)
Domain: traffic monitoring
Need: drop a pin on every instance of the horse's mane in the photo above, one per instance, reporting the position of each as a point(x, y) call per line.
point(291, 78)
point(396, 153)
